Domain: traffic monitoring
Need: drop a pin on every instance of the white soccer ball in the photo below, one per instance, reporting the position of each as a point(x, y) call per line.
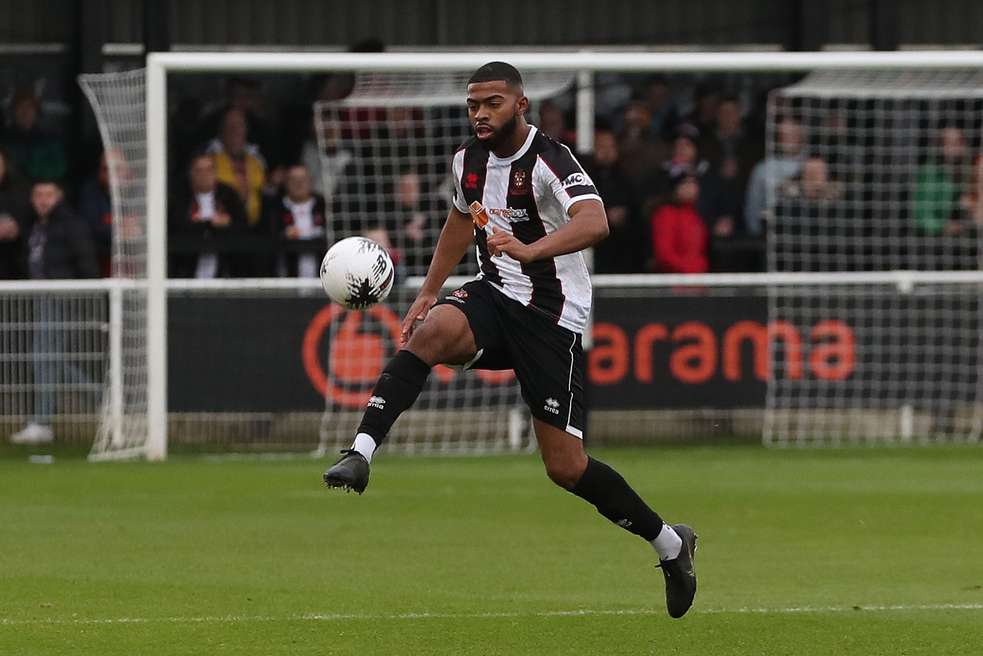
point(357, 273)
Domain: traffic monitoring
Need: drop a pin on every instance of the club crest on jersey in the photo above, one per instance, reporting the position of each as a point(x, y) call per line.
point(478, 214)
point(471, 181)
point(519, 184)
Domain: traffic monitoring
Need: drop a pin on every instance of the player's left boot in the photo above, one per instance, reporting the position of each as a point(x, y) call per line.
point(680, 574)
point(351, 472)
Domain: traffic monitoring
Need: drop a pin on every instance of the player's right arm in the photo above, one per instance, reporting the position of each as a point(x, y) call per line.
point(456, 237)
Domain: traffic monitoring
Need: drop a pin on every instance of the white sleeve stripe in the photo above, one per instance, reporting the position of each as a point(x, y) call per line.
point(457, 170)
point(567, 204)
point(546, 165)
point(553, 175)
point(580, 168)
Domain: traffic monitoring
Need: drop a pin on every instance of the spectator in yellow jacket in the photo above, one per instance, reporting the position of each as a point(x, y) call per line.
point(239, 164)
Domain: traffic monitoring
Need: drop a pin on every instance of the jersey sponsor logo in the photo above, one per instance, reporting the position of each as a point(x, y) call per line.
point(574, 180)
point(478, 214)
point(519, 184)
point(510, 213)
point(552, 405)
point(376, 402)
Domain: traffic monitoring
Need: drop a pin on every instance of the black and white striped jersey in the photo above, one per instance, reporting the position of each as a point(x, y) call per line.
point(527, 194)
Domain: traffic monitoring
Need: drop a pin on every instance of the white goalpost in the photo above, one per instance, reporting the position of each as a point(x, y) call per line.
point(905, 385)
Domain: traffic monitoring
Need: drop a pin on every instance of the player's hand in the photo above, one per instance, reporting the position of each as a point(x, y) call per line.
point(415, 315)
point(505, 243)
point(221, 220)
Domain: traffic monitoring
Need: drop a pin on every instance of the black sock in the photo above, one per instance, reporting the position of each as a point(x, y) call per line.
point(396, 390)
point(614, 498)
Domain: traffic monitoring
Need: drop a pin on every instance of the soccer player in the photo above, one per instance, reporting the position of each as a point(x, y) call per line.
point(527, 204)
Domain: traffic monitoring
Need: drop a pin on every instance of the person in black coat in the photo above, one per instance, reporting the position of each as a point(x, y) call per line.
point(14, 208)
point(59, 243)
point(59, 246)
point(624, 249)
point(95, 206)
point(297, 221)
point(207, 214)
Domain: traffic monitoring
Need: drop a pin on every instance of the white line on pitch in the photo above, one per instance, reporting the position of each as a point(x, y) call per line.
point(586, 612)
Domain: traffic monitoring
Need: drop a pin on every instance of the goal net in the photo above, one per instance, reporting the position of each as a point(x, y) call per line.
point(864, 329)
point(874, 171)
point(381, 162)
point(385, 153)
point(119, 103)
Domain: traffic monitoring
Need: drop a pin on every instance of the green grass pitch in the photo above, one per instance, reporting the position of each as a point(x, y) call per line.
point(876, 551)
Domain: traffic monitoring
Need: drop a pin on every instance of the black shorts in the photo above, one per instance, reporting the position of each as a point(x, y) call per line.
point(547, 358)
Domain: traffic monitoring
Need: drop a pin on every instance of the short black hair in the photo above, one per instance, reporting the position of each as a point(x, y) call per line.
point(495, 71)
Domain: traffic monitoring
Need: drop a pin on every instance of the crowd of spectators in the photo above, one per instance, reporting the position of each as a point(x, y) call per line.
point(680, 164)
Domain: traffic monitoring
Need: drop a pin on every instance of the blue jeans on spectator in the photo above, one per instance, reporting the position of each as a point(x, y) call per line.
point(53, 369)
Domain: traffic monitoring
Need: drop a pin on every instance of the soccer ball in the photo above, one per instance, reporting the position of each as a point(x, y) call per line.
point(357, 273)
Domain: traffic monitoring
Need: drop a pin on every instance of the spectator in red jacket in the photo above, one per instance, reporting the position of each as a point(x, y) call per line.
point(679, 235)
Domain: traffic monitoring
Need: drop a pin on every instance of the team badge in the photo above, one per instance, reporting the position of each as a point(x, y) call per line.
point(520, 183)
point(460, 293)
point(478, 214)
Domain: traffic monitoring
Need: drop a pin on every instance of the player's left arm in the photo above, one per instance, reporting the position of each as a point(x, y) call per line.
point(587, 226)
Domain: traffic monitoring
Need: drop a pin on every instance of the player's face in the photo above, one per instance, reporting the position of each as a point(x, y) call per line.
point(494, 109)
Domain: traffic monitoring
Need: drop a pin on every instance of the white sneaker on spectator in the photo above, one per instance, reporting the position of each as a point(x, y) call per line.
point(33, 433)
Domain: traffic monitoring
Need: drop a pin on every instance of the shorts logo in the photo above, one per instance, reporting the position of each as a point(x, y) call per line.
point(478, 214)
point(574, 180)
point(520, 183)
point(458, 296)
point(552, 405)
point(376, 402)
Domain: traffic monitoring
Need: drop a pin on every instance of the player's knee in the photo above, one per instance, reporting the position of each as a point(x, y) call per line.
point(437, 341)
point(430, 344)
point(427, 343)
point(565, 471)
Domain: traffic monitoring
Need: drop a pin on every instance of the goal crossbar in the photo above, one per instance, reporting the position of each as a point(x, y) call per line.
point(592, 60)
point(900, 279)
